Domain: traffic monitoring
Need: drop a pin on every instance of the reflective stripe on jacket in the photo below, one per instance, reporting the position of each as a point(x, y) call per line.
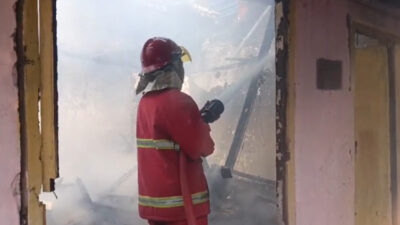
point(170, 202)
point(157, 144)
point(168, 124)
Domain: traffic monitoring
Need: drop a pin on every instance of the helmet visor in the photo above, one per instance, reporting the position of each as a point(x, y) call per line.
point(185, 55)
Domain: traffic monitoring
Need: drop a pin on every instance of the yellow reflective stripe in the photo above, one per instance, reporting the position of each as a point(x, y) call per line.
point(160, 144)
point(200, 197)
point(171, 202)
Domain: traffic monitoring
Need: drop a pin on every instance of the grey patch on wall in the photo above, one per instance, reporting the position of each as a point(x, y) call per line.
point(329, 74)
point(16, 191)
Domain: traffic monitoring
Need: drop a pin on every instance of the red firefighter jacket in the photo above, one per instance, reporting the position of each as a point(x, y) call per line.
point(168, 124)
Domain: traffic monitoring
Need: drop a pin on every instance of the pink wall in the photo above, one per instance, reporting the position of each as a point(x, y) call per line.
point(324, 139)
point(9, 122)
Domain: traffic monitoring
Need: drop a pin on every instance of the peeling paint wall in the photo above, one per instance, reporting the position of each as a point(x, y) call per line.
point(320, 126)
point(9, 125)
point(323, 119)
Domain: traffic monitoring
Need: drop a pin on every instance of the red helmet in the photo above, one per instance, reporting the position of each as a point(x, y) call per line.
point(158, 52)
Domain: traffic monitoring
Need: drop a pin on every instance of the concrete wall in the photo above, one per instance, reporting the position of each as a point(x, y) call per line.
point(323, 119)
point(9, 125)
point(321, 122)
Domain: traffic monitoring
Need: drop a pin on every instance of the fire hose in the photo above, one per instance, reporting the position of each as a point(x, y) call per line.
point(210, 113)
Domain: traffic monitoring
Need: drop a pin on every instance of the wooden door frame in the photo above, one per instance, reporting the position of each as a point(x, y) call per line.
point(35, 41)
point(390, 42)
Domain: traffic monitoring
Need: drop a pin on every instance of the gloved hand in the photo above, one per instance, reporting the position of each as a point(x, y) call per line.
point(212, 110)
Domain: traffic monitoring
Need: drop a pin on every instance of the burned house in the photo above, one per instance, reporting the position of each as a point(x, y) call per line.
point(309, 135)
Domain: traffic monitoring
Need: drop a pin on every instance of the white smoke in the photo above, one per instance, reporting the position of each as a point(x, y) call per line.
point(99, 45)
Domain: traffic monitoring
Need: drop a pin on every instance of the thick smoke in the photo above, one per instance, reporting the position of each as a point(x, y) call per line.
point(99, 43)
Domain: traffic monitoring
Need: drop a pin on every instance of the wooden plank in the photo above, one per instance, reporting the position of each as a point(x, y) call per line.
point(372, 162)
point(397, 88)
point(382, 21)
point(393, 131)
point(31, 86)
point(49, 150)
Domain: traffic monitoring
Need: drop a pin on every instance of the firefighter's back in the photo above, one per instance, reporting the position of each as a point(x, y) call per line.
point(159, 120)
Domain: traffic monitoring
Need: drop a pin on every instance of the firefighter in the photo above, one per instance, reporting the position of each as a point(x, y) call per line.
point(171, 139)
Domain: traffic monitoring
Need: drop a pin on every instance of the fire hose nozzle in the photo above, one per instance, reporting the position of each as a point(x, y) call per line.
point(212, 110)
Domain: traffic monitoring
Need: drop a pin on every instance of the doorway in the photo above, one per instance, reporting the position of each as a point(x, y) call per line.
point(233, 51)
point(375, 131)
